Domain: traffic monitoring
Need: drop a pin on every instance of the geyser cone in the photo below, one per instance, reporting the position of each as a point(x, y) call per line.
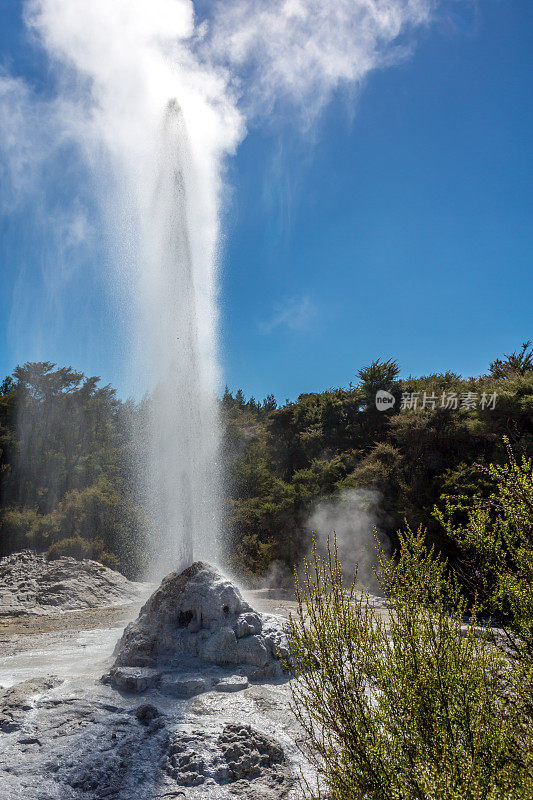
point(197, 616)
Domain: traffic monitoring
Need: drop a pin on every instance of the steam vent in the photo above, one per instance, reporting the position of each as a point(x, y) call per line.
point(195, 633)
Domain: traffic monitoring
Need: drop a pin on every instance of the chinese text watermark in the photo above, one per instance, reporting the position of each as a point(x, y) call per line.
point(411, 401)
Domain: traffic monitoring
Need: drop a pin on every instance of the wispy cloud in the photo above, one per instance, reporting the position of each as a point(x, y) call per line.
point(35, 145)
point(245, 59)
point(254, 54)
point(24, 141)
point(304, 50)
point(114, 66)
point(298, 314)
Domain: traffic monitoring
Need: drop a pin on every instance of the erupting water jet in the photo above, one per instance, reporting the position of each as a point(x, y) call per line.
point(183, 427)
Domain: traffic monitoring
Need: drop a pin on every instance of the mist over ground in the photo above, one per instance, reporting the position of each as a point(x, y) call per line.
point(352, 519)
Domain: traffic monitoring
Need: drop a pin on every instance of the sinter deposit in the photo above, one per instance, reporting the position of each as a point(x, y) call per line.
point(195, 616)
point(32, 584)
point(60, 744)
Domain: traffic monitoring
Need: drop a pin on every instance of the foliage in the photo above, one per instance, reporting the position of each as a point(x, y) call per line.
point(66, 468)
point(283, 463)
point(496, 542)
point(421, 712)
point(379, 375)
point(518, 363)
point(80, 548)
point(68, 460)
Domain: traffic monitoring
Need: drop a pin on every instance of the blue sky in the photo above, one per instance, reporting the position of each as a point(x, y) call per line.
point(399, 226)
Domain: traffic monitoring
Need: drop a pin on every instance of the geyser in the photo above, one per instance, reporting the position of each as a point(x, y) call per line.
point(182, 480)
point(154, 166)
point(153, 123)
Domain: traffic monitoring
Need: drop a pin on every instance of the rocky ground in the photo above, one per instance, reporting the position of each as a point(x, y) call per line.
point(199, 618)
point(65, 741)
point(104, 698)
point(193, 703)
point(31, 585)
point(208, 731)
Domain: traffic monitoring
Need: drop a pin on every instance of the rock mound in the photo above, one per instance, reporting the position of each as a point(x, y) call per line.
point(19, 699)
point(251, 764)
point(32, 584)
point(197, 615)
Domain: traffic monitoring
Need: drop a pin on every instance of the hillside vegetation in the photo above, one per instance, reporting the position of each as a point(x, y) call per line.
point(434, 701)
point(283, 461)
point(67, 457)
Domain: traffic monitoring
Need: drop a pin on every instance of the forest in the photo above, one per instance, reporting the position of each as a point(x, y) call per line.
point(69, 460)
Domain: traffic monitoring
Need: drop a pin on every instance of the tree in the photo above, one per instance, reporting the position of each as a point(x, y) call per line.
point(240, 399)
point(378, 375)
point(517, 363)
point(227, 399)
point(7, 385)
point(269, 404)
point(66, 467)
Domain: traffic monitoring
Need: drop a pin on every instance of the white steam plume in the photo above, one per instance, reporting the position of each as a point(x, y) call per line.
point(303, 50)
point(22, 149)
point(352, 518)
point(153, 125)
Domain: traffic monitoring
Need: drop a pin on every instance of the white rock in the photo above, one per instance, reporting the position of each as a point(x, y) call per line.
point(30, 583)
point(221, 647)
point(200, 614)
point(183, 687)
point(254, 650)
point(235, 683)
point(134, 679)
point(247, 625)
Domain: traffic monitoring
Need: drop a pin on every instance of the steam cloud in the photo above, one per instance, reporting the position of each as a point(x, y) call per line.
point(353, 517)
point(245, 57)
point(303, 50)
point(114, 66)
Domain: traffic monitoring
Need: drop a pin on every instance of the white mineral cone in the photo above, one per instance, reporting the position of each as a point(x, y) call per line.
point(199, 614)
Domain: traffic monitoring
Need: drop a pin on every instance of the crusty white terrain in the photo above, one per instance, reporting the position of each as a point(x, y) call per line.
point(199, 618)
point(32, 584)
point(205, 722)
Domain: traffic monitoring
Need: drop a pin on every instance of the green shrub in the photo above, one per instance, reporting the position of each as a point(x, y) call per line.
point(77, 547)
point(496, 541)
point(418, 708)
